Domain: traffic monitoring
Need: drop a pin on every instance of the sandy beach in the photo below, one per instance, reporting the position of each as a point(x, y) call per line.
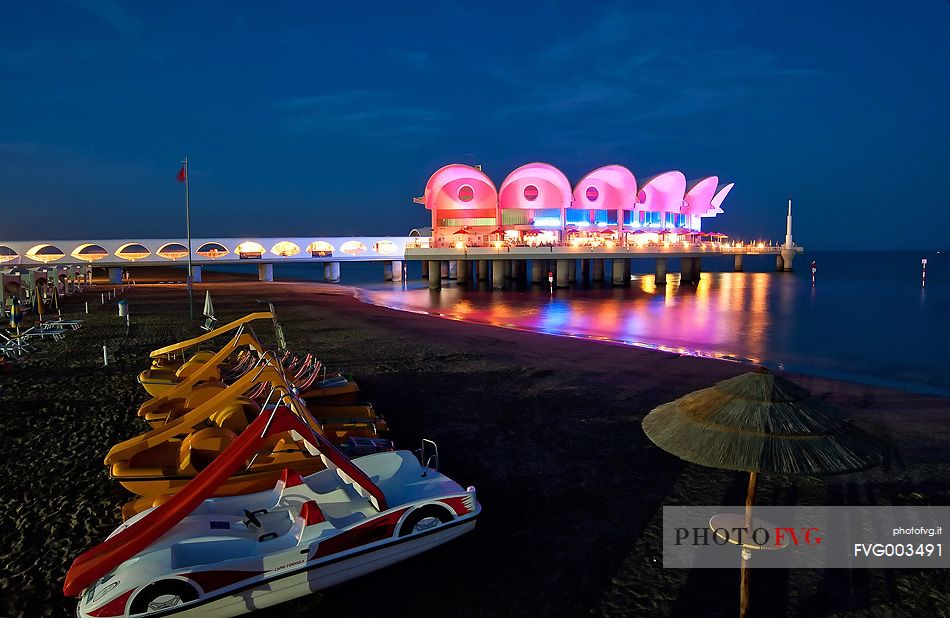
point(547, 428)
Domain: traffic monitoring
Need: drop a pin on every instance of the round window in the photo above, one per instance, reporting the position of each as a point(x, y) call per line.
point(531, 193)
point(466, 193)
point(592, 194)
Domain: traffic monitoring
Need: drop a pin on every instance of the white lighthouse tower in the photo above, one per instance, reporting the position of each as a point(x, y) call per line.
point(784, 261)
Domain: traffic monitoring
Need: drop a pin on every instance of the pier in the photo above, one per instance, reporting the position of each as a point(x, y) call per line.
point(117, 254)
point(569, 265)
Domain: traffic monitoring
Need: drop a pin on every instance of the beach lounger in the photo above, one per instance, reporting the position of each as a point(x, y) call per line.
point(63, 324)
point(15, 346)
point(56, 333)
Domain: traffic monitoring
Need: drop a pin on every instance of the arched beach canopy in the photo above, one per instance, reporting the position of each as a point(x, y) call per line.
point(699, 195)
point(285, 248)
point(212, 250)
point(249, 248)
point(45, 253)
point(89, 253)
point(612, 187)
point(460, 187)
point(536, 186)
point(132, 251)
point(172, 251)
point(7, 254)
point(663, 192)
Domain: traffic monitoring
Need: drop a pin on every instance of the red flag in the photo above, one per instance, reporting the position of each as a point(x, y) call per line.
point(181, 174)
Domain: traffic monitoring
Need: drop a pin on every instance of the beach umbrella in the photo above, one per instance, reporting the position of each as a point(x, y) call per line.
point(39, 306)
point(760, 422)
point(15, 315)
point(498, 230)
point(717, 235)
point(209, 307)
point(463, 230)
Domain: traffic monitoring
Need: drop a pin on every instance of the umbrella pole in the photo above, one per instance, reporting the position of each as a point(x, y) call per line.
point(746, 553)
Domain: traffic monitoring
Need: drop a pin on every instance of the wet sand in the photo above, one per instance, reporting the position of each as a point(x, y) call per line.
point(547, 428)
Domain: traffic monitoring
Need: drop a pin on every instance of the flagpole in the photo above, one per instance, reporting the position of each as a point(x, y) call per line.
point(191, 303)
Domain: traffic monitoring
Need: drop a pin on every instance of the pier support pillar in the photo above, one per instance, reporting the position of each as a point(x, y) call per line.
point(453, 269)
point(660, 271)
point(787, 256)
point(388, 271)
point(265, 272)
point(585, 269)
point(738, 264)
point(444, 269)
point(397, 270)
point(498, 274)
point(482, 270)
point(461, 271)
point(425, 269)
point(518, 269)
point(686, 269)
point(563, 273)
point(779, 263)
point(196, 274)
point(618, 271)
point(598, 269)
point(331, 272)
point(572, 271)
point(537, 267)
point(435, 281)
point(508, 269)
point(115, 276)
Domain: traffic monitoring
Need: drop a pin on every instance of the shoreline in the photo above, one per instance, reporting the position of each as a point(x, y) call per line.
point(547, 428)
point(365, 295)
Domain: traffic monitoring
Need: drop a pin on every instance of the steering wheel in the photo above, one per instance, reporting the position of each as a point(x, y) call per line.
point(252, 517)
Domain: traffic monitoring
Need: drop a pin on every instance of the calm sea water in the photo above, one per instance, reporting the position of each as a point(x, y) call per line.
point(867, 319)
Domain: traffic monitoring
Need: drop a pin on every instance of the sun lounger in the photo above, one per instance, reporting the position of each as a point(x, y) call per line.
point(63, 324)
point(55, 333)
point(14, 346)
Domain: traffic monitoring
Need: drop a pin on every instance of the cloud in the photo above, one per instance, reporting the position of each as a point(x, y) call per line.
point(114, 14)
point(631, 68)
point(414, 59)
point(366, 113)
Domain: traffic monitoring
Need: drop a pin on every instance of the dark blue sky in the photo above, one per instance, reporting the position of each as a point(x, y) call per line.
point(312, 120)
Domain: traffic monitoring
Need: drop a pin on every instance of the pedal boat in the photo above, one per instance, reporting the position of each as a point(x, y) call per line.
point(194, 556)
point(304, 372)
point(169, 367)
point(230, 361)
point(165, 459)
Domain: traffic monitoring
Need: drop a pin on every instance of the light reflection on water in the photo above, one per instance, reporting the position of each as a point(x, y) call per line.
point(862, 329)
point(689, 318)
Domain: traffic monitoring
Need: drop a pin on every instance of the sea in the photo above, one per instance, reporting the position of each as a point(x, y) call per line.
point(867, 317)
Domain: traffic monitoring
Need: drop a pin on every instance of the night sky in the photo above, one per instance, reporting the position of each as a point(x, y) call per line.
point(310, 120)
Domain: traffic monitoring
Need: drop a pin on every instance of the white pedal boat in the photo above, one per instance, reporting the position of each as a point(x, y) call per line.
point(227, 556)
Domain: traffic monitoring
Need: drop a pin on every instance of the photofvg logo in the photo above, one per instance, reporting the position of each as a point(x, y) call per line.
point(756, 535)
point(805, 537)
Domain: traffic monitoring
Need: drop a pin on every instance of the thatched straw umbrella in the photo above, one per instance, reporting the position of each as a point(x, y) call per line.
point(759, 422)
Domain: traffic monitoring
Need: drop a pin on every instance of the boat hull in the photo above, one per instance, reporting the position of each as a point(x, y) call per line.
point(293, 583)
